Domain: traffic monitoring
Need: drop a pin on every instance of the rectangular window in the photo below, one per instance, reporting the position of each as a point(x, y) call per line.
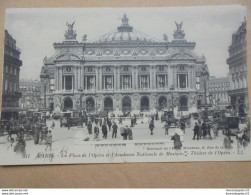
point(109, 82)
point(144, 82)
point(197, 86)
point(52, 84)
point(161, 81)
point(91, 82)
point(68, 82)
point(197, 79)
point(126, 82)
point(182, 81)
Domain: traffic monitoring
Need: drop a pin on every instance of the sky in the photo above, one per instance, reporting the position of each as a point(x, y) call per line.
point(211, 27)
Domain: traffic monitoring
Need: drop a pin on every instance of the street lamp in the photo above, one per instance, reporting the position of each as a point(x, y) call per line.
point(205, 104)
point(44, 75)
point(172, 89)
point(80, 90)
point(81, 107)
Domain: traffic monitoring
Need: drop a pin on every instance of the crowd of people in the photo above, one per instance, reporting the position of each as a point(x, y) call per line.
point(35, 128)
point(24, 128)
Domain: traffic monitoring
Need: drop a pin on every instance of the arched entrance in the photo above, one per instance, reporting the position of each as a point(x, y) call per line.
point(162, 103)
point(126, 104)
point(68, 104)
point(90, 105)
point(183, 103)
point(144, 104)
point(108, 104)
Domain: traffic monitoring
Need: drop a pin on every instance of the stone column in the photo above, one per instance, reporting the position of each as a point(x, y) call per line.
point(79, 77)
point(100, 79)
point(154, 78)
point(96, 79)
point(186, 81)
point(82, 77)
point(55, 79)
point(72, 82)
point(115, 78)
point(178, 79)
point(85, 82)
point(75, 78)
point(60, 79)
point(137, 79)
point(133, 79)
point(170, 76)
point(119, 77)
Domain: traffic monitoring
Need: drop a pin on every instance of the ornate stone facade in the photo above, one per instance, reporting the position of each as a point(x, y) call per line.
point(237, 62)
point(125, 70)
point(218, 88)
point(31, 94)
point(11, 70)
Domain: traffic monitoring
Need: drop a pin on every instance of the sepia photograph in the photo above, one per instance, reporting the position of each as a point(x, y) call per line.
point(116, 85)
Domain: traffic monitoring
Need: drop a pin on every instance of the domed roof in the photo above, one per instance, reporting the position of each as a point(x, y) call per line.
point(124, 33)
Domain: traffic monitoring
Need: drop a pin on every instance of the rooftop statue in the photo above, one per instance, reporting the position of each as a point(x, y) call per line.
point(70, 33)
point(70, 27)
point(124, 20)
point(125, 27)
point(179, 33)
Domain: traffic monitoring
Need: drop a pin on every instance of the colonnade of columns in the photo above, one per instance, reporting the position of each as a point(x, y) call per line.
point(114, 79)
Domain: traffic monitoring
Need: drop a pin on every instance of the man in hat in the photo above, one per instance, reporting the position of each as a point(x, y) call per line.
point(104, 130)
point(151, 126)
point(96, 132)
point(48, 140)
point(114, 130)
point(196, 131)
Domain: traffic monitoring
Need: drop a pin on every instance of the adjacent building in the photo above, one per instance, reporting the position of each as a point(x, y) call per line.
point(237, 62)
point(31, 95)
point(218, 88)
point(124, 70)
point(11, 70)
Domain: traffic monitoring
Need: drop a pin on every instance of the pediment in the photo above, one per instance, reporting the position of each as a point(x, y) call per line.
point(182, 56)
point(68, 57)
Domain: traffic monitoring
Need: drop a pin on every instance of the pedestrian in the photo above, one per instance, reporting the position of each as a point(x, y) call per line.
point(176, 141)
point(215, 130)
point(36, 134)
point(157, 116)
point(196, 131)
point(204, 130)
point(114, 130)
point(96, 132)
point(86, 121)
point(120, 120)
point(200, 130)
point(53, 124)
point(227, 142)
point(68, 123)
point(151, 127)
point(129, 133)
point(182, 125)
point(89, 127)
point(135, 120)
point(245, 138)
point(20, 146)
point(109, 123)
point(132, 122)
point(104, 130)
point(96, 120)
point(48, 140)
point(124, 132)
point(166, 128)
